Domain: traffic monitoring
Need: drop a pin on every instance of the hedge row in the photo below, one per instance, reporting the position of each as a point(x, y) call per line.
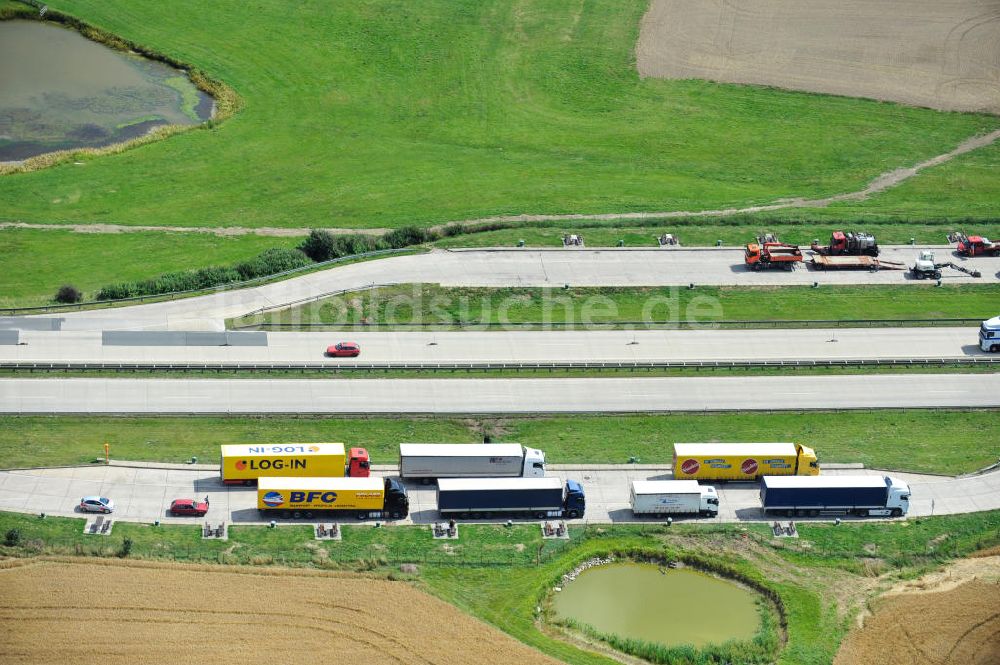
point(269, 262)
point(319, 246)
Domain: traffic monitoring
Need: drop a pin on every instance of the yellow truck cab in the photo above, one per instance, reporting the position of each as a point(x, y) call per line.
point(742, 461)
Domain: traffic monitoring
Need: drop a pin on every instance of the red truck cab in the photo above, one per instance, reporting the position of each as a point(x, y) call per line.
point(977, 246)
point(358, 464)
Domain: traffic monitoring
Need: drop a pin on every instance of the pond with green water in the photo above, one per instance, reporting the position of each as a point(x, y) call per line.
point(667, 606)
point(59, 90)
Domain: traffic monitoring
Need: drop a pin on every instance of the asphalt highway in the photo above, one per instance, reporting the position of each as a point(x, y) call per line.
point(460, 396)
point(511, 267)
point(523, 346)
point(142, 494)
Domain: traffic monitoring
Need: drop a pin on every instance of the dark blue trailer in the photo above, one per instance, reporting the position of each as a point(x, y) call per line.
point(487, 497)
point(811, 495)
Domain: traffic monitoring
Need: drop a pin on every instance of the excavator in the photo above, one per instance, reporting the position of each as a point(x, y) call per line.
point(926, 268)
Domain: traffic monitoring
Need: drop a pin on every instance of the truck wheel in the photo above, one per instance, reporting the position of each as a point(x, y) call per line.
point(573, 514)
point(539, 516)
point(248, 483)
point(308, 514)
point(813, 513)
point(897, 512)
point(789, 513)
point(994, 348)
point(362, 514)
point(395, 515)
point(297, 514)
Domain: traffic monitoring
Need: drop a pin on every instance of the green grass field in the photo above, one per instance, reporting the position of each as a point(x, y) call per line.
point(936, 441)
point(428, 303)
point(36, 263)
point(380, 113)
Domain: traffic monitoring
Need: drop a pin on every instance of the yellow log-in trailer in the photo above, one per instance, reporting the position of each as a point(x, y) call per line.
point(246, 463)
point(742, 461)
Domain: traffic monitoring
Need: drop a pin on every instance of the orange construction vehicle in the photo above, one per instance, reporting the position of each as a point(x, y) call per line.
point(768, 252)
point(848, 244)
point(974, 245)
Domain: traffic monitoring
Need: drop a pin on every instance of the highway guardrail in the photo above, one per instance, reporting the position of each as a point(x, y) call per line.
point(335, 367)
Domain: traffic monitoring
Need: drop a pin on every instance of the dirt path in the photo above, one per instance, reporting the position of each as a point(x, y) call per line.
point(219, 231)
point(879, 184)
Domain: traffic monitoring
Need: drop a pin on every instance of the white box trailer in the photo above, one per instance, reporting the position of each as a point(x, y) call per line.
point(429, 461)
point(673, 497)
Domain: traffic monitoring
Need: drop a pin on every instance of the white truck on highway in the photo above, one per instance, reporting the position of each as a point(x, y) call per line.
point(673, 497)
point(989, 335)
point(429, 461)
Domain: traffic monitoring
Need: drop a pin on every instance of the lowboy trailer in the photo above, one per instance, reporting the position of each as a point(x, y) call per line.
point(824, 262)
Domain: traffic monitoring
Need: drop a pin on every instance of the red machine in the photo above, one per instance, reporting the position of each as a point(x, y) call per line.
point(768, 252)
point(974, 245)
point(848, 244)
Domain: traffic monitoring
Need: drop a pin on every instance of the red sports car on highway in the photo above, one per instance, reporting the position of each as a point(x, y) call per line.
point(189, 507)
point(344, 350)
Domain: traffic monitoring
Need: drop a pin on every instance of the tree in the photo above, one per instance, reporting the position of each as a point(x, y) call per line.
point(68, 293)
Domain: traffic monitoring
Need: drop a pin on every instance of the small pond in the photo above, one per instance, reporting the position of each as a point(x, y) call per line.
point(670, 607)
point(59, 90)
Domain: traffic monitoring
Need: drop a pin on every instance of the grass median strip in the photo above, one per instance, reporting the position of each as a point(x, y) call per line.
point(410, 306)
point(918, 440)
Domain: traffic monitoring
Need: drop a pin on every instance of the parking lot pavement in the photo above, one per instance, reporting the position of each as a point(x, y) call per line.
point(144, 494)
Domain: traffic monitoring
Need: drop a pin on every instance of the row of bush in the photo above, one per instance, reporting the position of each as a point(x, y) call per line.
point(324, 246)
point(270, 262)
point(319, 246)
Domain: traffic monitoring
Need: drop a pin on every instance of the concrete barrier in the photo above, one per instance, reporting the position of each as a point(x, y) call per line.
point(181, 338)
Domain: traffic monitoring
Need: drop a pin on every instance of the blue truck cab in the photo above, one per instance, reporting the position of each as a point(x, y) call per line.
point(575, 502)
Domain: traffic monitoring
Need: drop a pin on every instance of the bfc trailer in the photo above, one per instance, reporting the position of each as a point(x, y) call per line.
point(852, 495)
point(241, 464)
point(488, 497)
point(742, 461)
point(429, 461)
point(673, 497)
point(376, 498)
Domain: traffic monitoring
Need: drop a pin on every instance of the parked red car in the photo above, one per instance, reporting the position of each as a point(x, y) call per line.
point(344, 350)
point(189, 507)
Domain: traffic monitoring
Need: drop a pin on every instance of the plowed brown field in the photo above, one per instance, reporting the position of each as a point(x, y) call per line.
point(66, 613)
point(943, 54)
point(940, 620)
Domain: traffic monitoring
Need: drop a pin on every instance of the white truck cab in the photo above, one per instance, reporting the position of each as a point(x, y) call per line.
point(989, 335)
point(534, 463)
point(898, 499)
